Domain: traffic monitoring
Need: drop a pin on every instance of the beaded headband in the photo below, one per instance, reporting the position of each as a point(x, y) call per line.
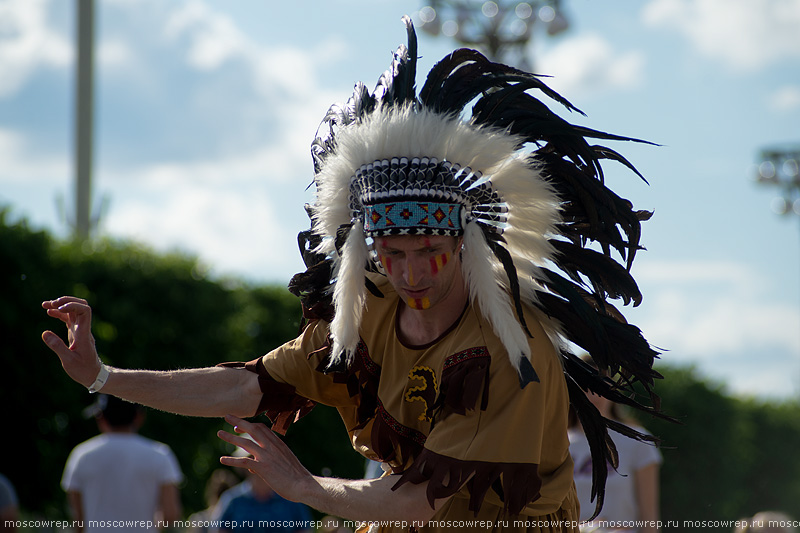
point(421, 196)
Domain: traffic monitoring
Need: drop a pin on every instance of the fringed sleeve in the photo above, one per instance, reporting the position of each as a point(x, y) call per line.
point(519, 483)
point(361, 378)
point(279, 401)
point(465, 379)
point(289, 381)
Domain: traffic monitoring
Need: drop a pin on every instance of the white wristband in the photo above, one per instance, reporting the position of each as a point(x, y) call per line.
point(100, 380)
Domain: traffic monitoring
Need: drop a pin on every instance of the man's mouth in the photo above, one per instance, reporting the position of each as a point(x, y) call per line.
point(416, 293)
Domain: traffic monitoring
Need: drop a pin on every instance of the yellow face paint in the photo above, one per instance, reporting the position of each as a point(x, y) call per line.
point(387, 263)
point(419, 303)
point(439, 261)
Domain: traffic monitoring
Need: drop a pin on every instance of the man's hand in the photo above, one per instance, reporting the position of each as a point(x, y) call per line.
point(271, 459)
point(80, 359)
point(352, 499)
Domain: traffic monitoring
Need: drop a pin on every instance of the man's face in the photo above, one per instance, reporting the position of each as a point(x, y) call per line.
point(422, 269)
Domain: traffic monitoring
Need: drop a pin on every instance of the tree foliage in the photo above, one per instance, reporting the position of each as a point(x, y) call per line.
point(150, 311)
point(730, 457)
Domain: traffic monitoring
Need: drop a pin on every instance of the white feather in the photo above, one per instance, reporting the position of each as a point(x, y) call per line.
point(349, 294)
point(492, 299)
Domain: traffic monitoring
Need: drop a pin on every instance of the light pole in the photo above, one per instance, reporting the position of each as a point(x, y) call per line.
point(83, 222)
point(780, 167)
point(84, 119)
point(499, 29)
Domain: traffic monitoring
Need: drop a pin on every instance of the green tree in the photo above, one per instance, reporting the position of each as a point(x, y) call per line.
point(156, 311)
point(729, 457)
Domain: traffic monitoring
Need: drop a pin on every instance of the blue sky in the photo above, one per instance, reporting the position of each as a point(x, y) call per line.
point(205, 111)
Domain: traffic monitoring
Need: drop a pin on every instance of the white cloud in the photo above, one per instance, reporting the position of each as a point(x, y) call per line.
point(24, 164)
point(27, 43)
point(785, 99)
point(214, 38)
point(233, 213)
point(744, 34)
point(113, 53)
point(237, 231)
point(734, 326)
point(588, 62)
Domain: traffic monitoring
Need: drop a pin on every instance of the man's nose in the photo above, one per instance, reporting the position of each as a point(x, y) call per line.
point(414, 271)
point(409, 274)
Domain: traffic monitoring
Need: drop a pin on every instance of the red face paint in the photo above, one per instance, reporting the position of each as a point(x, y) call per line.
point(419, 303)
point(386, 262)
point(438, 262)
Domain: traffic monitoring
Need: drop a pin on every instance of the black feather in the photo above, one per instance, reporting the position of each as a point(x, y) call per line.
point(608, 278)
point(527, 374)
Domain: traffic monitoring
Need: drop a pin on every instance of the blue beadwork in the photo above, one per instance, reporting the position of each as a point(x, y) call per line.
point(438, 217)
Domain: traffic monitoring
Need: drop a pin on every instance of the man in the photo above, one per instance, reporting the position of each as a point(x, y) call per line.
point(433, 310)
point(120, 479)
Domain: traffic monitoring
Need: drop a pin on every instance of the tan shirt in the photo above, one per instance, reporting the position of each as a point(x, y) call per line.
point(457, 403)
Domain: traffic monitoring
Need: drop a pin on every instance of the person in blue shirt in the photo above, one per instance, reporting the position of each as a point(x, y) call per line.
point(252, 506)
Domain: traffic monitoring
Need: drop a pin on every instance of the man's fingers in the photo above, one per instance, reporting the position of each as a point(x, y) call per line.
point(255, 430)
point(58, 302)
point(241, 442)
point(54, 342)
point(253, 447)
point(237, 423)
point(69, 310)
point(79, 309)
point(55, 313)
point(238, 462)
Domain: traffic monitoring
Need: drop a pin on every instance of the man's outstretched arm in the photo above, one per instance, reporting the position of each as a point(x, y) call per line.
point(197, 392)
point(366, 500)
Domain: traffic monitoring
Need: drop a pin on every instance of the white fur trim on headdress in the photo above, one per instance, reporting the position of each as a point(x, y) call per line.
point(401, 132)
point(486, 290)
point(349, 294)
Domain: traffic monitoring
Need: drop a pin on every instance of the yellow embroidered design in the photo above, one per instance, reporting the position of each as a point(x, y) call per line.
point(426, 392)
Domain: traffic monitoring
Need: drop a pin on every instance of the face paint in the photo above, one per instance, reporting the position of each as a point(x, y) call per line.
point(439, 261)
point(419, 303)
point(386, 262)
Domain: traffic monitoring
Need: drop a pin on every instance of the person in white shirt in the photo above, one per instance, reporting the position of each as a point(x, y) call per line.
point(119, 479)
point(632, 490)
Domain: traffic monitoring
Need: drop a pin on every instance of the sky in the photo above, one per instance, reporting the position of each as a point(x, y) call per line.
point(205, 111)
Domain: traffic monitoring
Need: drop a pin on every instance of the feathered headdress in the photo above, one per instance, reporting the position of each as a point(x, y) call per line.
point(525, 190)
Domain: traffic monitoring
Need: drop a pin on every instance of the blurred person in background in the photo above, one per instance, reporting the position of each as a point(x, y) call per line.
point(9, 505)
point(120, 476)
point(252, 506)
point(220, 480)
point(632, 490)
point(768, 522)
